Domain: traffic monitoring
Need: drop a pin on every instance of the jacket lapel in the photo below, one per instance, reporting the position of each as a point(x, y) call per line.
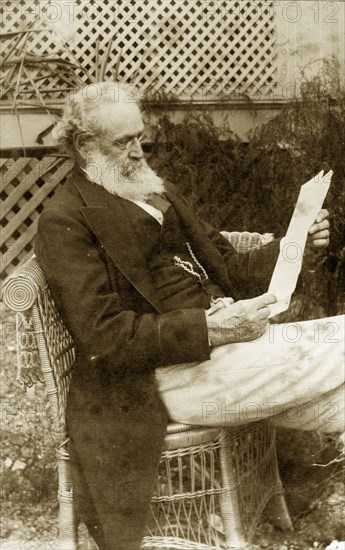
point(106, 216)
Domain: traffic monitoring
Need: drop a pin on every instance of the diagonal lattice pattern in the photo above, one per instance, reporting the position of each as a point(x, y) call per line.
point(188, 49)
point(26, 184)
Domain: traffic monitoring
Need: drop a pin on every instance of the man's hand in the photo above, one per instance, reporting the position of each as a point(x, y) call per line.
point(242, 321)
point(318, 234)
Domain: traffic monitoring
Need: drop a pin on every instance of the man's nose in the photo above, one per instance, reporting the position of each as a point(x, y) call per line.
point(135, 150)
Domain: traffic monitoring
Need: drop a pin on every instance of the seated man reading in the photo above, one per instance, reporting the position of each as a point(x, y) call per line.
point(134, 274)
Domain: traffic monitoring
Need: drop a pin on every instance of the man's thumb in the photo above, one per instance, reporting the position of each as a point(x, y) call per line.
point(266, 299)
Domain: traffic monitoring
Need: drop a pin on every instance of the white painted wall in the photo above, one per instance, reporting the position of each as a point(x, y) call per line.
point(307, 32)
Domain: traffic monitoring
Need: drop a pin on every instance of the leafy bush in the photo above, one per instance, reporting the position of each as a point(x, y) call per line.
point(254, 186)
point(28, 468)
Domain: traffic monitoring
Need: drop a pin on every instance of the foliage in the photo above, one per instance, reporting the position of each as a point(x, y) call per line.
point(25, 73)
point(30, 75)
point(254, 186)
point(27, 460)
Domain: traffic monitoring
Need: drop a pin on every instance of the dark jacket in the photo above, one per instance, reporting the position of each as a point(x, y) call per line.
point(91, 257)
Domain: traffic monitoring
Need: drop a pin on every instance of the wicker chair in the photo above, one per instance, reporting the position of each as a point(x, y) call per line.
point(212, 483)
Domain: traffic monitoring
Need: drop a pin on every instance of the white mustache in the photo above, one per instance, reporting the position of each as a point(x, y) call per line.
point(133, 180)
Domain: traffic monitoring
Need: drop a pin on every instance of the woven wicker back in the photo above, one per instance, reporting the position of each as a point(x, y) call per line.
point(243, 241)
point(45, 347)
point(57, 355)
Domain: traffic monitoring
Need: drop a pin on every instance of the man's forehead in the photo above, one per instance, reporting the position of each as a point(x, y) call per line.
point(121, 119)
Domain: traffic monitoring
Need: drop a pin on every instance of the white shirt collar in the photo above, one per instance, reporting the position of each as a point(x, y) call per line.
point(152, 210)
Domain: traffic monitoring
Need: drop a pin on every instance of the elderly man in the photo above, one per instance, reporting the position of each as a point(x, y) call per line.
point(134, 274)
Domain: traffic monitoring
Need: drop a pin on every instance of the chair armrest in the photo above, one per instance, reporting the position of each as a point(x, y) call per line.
point(20, 294)
point(243, 241)
point(20, 290)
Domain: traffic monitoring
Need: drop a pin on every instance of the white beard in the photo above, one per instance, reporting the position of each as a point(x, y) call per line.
point(133, 180)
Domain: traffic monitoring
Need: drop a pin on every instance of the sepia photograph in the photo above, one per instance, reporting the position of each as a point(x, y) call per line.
point(172, 274)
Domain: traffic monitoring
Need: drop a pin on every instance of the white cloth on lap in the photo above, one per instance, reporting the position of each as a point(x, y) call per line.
point(294, 373)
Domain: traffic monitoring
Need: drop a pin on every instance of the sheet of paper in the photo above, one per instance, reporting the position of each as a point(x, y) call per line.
point(289, 263)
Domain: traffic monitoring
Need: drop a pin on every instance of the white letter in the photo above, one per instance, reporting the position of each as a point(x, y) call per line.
point(209, 409)
point(298, 13)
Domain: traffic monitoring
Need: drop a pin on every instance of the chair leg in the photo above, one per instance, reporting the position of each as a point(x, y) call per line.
point(230, 508)
point(68, 536)
point(68, 525)
point(276, 508)
point(278, 513)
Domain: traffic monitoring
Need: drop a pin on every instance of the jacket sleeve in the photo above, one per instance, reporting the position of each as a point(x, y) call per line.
point(102, 328)
point(250, 272)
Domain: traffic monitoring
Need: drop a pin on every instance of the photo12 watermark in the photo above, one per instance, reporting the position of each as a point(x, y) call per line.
point(253, 11)
point(290, 414)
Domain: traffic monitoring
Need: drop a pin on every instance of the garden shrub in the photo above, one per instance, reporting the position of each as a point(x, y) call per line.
point(254, 186)
point(28, 469)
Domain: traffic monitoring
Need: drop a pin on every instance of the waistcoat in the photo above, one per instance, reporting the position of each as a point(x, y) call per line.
point(162, 247)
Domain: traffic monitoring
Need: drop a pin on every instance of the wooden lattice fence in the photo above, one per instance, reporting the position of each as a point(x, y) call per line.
point(185, 49)
point(26, 184)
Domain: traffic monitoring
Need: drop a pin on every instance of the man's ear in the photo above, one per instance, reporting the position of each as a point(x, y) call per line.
point(79, 142)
